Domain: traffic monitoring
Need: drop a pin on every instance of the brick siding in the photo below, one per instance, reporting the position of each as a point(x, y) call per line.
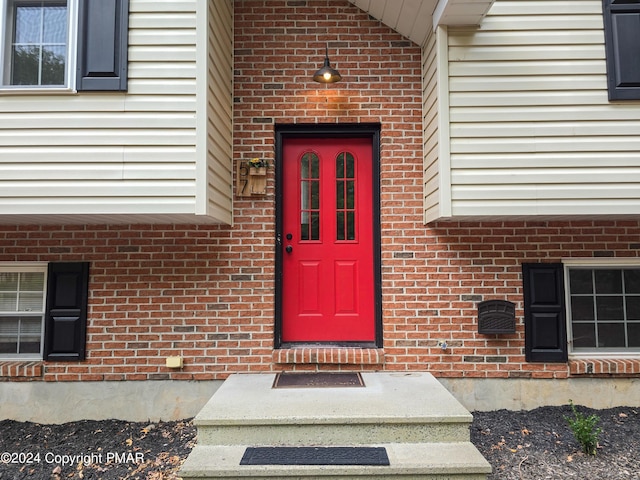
point(207, 292)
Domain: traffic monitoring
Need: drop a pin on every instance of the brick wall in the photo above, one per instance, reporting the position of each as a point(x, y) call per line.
point(203, 293)
point(207, 292)
point(157, 291)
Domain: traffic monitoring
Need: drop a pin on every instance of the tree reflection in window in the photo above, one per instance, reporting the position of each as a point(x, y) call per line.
point(39, 43)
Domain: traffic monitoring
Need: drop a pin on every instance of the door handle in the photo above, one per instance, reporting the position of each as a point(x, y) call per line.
point(289, 249)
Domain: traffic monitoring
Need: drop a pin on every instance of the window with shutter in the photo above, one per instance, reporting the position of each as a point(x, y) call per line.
point(64, 45)
point(622, 45)
point(544, 313)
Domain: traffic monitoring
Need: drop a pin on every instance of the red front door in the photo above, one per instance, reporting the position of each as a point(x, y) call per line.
point(327, 240)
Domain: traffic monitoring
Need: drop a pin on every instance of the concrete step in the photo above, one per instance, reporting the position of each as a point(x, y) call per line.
point(391, 408)
point(435, 461)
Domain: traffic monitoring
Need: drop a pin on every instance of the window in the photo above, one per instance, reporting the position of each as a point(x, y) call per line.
point(64, 44)
point(22, 301)
point(43, 311)
point(622, 46)
point(38, 43)
point(310, 197)
point(345, 197)
point(604, 309)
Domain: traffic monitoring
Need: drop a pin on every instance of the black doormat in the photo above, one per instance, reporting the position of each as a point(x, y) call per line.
point(315, 456)
point(318, 380)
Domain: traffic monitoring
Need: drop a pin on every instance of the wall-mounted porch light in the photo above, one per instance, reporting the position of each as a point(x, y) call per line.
point(327, 74)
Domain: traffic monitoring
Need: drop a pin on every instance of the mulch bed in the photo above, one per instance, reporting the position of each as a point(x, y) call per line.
point(539, 444)
point(105, 450)
point(532, 445)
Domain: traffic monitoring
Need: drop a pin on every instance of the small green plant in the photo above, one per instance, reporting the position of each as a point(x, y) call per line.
point(584, 429)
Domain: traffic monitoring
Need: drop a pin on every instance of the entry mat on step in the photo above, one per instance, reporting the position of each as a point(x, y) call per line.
point(318, 380)
point(315, 456)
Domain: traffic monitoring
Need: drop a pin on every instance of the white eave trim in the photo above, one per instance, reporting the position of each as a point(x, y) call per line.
point(460, 12)
point(415, 18)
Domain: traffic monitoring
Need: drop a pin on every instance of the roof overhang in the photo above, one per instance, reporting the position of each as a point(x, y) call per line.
point(415, 18)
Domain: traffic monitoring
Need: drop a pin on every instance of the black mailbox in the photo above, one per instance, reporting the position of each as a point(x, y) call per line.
point(496, 316)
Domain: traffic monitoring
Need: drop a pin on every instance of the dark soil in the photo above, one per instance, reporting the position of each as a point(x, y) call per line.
point(539, 444)
point(106, 450)
point(532, 445)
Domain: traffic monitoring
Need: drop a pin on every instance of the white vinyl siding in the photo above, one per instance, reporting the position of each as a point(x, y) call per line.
point(531, 129)
point(119, 157)
point(219, 113)
point(430, 119)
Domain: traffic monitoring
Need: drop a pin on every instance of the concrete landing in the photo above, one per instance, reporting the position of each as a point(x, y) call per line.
point(414, 397)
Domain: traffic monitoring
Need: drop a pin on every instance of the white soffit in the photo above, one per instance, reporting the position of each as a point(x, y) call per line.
point(460, 12)
point(415, 18)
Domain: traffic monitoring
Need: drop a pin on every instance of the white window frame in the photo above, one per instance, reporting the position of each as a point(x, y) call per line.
point(25, 267)
point(5, 50)
point(594, 263)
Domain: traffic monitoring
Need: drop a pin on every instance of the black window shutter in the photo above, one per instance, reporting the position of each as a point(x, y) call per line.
point(103, 28)
point(622, 45)
point(66, 314)
point(545, 328)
